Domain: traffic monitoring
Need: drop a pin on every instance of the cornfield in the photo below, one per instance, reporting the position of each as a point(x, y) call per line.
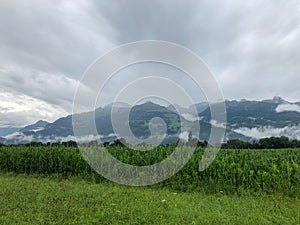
point(232, 171)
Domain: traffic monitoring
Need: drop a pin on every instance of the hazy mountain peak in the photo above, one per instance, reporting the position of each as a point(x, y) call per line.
point(148, 105)
point(278, 100)
point(39, 125)
point(117, 105)
point(41, 122)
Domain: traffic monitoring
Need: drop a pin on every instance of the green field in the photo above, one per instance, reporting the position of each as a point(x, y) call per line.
point(29, 200)
point(55, 185)
point(233, 171)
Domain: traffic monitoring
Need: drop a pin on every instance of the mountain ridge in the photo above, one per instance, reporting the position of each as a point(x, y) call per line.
point(242, 116)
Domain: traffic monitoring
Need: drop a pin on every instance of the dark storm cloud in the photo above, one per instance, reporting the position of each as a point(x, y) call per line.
point(251, 46)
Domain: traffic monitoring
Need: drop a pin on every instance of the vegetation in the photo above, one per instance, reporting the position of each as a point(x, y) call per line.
point(53, 184)
point(264, 143)
point(29, 200)
point(233, 171)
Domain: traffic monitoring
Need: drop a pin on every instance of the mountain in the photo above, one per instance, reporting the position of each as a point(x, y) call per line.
point(253, 114)
point(2, 140)
point(258, 119)
point(8, 130)
point(246, 120)
point(141, 115)
point(39, 125)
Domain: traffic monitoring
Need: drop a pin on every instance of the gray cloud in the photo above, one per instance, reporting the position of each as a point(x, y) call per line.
point(19, 109)
point(53, 36)
point(45, 46)
point(292, 132)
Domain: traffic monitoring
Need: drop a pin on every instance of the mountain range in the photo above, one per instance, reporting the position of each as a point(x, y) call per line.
point(246, 120)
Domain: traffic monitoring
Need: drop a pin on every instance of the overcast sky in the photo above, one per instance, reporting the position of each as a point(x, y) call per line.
point(252, 47)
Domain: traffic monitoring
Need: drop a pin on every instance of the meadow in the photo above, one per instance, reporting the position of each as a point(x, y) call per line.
point(27, 199)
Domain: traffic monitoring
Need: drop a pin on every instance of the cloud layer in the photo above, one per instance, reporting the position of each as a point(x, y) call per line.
point(288, 107)
point(252, 47)
point(292, 132)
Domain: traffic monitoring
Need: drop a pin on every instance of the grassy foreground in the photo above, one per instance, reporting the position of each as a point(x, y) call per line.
point(30, 200)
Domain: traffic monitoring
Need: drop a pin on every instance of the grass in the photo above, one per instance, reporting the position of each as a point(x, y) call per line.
point(31, 200)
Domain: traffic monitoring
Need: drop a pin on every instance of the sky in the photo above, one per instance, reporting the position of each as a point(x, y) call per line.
point(252, 47)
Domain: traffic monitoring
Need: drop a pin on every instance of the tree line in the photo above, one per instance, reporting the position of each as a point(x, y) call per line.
point(263, 143)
